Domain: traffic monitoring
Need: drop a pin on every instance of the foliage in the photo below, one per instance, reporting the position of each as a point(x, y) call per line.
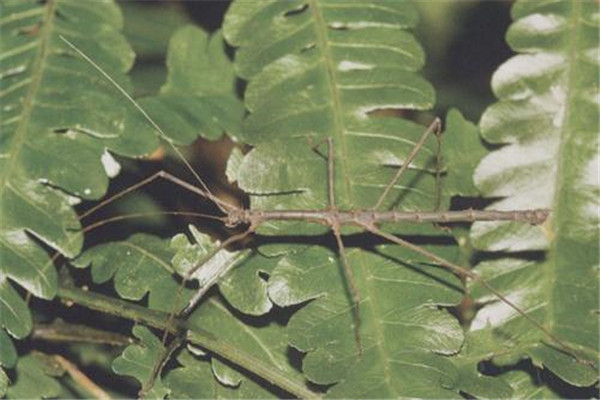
point(278, 316)
point(43, 149)
point(548, 95)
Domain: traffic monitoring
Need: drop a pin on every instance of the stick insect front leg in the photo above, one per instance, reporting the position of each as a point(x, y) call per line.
point(436, 126)
point(156, 176)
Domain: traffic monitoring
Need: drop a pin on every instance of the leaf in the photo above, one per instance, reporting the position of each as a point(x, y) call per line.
point(525, 386)
point(546, 120)
point(8, 353)
point(400, 323)
point(58, 118)
point(141, 265)
point(318, 70)
point(34, 378)
point(138, 265)
point(148, 29)
point(199, 96)
point(462, 150)
point(14, 315)
point(4, 382)
point(236, 273)
point(139, 360)
point(199, 378)
point(315, 72)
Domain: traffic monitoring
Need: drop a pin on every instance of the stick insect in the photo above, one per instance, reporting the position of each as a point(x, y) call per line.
point(334, 218)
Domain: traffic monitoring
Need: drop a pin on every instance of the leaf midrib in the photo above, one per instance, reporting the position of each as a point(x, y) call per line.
point(574, 25)
point(29, 101)
point(323, 46)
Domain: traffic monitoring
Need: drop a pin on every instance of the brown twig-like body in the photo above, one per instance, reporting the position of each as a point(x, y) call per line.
point(370, 217)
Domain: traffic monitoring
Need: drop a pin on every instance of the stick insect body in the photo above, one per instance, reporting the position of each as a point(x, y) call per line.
point(334, 218)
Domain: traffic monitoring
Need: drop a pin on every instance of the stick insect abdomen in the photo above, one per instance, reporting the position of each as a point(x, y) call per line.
point(369, 217)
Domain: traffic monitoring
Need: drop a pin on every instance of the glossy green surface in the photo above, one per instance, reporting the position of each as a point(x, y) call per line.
point(198, 97)
point(330, 69)
point(137, 266)
point(58, 117)
point(139, 360)
point(547, 119)
point(34, 378)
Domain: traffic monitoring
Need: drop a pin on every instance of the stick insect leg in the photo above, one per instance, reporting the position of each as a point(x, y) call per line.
point(434, 126)
point(438, 170)
point(466, 273)
point(159, 175)
point(202, 291)
point(335, 227)
point(351, 284)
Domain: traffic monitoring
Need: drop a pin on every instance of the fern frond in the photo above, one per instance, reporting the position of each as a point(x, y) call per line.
point(345, 70)
point(547, 120)
point(58, 118)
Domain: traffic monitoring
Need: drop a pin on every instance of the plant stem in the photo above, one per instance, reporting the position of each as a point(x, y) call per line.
point(196, 335)
point(59, 331)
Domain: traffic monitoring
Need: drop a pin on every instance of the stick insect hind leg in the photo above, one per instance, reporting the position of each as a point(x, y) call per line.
point(466, 273)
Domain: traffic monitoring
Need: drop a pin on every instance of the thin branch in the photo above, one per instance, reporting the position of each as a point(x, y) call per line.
point(59, 331)
point(82, 379)
point(197, 336)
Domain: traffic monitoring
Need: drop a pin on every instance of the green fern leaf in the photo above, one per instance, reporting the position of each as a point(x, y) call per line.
point(35, 378)
point(547, 120)
point(462, 149)
point(316, 70)
point(199, 96)
point(139, 265)
point(525, 387)
point(8, 353)
point(139, 360)
point(4, 382)
point(208, 377)
point(325, 69)
point(58, 117)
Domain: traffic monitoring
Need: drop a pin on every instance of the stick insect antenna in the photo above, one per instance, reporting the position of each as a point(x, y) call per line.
point(434, 126)
point(223, 205)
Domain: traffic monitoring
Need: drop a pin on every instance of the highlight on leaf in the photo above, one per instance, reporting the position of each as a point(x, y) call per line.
point(546, 121)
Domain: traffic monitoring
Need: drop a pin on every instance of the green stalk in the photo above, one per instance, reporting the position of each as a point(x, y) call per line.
point(196, 335)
